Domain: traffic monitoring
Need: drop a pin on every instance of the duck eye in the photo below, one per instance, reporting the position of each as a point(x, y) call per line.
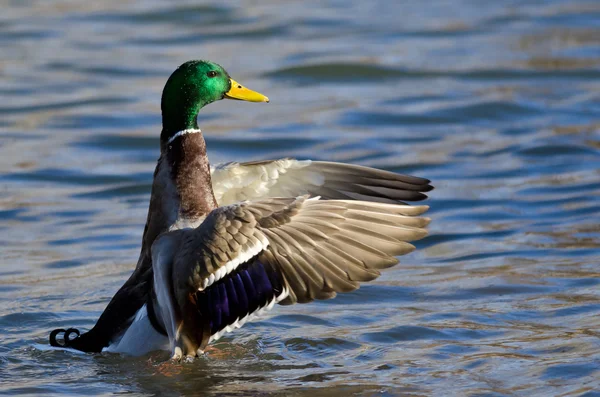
point(212, 73)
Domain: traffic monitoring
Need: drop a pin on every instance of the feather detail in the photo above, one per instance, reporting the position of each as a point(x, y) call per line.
point(236, 182)
point(246, 257)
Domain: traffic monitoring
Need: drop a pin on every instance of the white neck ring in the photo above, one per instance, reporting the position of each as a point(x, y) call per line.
point(182, 133)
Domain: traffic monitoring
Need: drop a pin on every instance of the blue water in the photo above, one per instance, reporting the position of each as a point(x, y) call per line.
point(498, 103)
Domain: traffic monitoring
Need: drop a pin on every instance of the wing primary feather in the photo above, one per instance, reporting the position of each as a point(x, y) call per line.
point(344, 168)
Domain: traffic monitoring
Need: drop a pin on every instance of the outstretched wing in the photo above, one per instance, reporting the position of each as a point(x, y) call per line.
point(235, 182)
point(248, 256)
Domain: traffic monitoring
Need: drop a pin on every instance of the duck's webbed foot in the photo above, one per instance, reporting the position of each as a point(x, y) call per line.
point(186, 352)
point(191, 339)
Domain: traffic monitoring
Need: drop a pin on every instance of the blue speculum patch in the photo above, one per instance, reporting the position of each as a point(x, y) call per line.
point(244, 291)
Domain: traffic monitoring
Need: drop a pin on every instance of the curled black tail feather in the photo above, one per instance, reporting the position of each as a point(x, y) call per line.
point(66, 340)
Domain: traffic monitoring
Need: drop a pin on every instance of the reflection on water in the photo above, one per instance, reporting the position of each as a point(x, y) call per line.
point(496, 102)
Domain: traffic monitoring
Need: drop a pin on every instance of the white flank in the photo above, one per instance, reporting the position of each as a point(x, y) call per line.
point(182, 133)
point(140, 338)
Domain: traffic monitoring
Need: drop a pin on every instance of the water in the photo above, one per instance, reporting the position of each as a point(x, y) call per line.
point(497, 102)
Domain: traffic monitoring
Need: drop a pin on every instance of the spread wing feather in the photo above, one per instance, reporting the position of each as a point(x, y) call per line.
point(236, 182)
point(307, 249)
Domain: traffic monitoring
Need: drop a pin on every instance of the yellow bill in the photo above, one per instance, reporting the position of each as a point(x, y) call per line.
point(242, 93)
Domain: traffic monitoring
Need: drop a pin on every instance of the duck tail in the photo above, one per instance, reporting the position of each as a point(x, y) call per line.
point(66, 339)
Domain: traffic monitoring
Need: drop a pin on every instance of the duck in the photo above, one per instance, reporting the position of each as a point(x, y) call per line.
point(222, 245)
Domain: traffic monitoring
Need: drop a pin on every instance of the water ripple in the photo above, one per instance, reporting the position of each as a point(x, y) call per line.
point(496, 102)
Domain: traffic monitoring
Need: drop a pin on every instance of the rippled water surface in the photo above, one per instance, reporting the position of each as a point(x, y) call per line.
point(498, 103)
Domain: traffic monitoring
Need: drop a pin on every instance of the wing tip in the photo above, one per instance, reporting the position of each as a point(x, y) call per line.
point(427, 187)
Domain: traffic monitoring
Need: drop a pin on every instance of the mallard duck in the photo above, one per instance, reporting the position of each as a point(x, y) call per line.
point(222, 245)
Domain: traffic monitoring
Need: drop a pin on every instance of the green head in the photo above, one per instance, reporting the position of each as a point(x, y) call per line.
point(194, 85)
